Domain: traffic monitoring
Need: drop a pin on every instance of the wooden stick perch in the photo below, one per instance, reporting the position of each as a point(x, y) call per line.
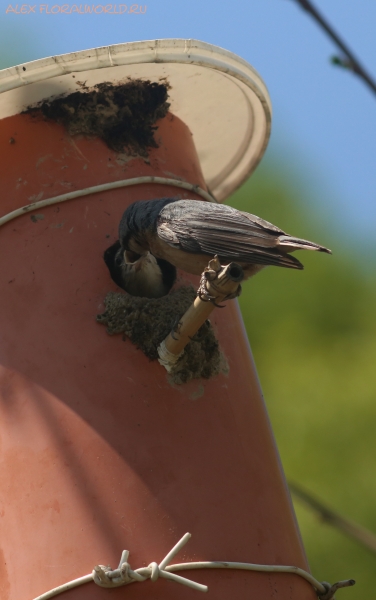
point(218, 283)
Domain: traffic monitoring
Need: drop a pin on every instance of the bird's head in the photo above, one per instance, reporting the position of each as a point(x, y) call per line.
point(139, 274)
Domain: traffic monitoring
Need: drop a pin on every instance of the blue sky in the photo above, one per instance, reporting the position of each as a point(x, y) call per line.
point(324, 121)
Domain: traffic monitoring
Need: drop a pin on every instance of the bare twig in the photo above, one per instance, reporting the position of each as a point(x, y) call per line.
point(353, 530)
point(350, 61)
point(218, 283)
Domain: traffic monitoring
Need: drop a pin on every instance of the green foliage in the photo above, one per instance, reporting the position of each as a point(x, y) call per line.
point(313, 337)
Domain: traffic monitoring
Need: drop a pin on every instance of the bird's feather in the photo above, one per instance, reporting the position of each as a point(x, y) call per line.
point(222, 230)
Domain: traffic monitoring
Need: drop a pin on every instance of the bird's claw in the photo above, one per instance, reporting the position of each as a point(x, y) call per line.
point(203, 293)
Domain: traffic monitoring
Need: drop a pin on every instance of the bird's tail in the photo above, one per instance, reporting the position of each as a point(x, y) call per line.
point(289, 244)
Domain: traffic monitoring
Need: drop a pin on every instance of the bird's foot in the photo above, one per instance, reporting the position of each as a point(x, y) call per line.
point(203, 293)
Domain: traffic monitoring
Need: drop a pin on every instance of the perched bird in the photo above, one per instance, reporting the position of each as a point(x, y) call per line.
point(188, 233)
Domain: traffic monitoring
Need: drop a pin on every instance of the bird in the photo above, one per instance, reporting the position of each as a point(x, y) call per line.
point(144, 275)
point(186, 234)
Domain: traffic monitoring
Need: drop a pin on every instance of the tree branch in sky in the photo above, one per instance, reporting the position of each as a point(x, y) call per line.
point(348, 60)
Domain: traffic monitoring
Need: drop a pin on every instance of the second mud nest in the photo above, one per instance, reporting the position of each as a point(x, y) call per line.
point(146, 322)
point(122, 115)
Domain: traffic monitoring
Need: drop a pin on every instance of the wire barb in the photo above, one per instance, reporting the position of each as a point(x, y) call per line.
point(331, 589)
point(105, 577)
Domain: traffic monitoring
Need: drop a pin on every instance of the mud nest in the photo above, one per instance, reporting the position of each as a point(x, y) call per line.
point(122, 115)
point(146, 322)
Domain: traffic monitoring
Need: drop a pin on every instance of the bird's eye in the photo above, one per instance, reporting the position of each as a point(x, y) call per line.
point(118, 260)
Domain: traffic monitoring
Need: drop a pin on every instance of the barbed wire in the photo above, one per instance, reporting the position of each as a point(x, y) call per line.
point(105, 577)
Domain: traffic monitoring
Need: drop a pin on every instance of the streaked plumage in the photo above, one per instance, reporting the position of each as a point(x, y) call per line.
point(188, 233)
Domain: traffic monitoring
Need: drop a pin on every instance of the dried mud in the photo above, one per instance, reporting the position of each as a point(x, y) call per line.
point(146, 322)
point(122, 115)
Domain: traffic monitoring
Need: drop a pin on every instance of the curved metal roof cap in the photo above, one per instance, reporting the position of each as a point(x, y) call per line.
point(221, 98)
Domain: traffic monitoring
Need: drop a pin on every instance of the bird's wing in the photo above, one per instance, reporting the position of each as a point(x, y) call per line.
point(211, 229)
